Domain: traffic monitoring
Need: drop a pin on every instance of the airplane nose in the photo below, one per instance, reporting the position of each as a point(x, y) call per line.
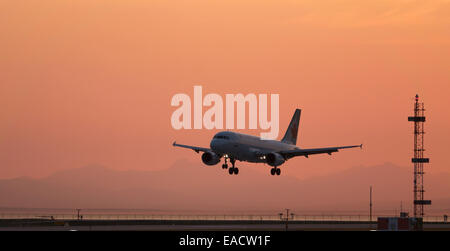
point(215, 144)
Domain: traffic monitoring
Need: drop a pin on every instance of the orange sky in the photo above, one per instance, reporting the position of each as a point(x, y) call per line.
point(85, 82)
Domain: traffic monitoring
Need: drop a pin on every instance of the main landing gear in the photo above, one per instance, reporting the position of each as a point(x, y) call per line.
point(275, 170)
point(232, 169)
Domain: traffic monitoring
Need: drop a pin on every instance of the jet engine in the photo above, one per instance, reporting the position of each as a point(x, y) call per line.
point(210, 158)
point(274, 159)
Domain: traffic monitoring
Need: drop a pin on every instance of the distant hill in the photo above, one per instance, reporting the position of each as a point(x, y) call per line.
point(192, 186)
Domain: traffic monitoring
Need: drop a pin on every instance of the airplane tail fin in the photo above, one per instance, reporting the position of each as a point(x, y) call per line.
point(290, 136)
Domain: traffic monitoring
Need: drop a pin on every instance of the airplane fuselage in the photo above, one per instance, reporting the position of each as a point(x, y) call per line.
point(245, 147)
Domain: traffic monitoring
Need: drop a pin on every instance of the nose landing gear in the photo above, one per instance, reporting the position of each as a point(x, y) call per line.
point(225, 165)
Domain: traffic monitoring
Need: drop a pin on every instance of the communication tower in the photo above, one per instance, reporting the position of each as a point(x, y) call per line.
point(418, 160)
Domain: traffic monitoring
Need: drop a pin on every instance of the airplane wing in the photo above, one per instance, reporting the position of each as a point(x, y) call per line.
point(195, 148)
point(306, 152)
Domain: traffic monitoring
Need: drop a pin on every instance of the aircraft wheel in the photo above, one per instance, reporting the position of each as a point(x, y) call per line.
point(278, 171)
point(231, 171)
point(224, 166)
point(272, 171)
point(236, 170)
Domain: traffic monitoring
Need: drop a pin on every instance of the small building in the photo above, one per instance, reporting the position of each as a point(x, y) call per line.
point(399, 224)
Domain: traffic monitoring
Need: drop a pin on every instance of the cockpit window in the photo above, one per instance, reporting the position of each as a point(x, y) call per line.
point(221, 137)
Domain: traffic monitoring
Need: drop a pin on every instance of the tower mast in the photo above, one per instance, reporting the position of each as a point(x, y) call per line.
point(418, 159)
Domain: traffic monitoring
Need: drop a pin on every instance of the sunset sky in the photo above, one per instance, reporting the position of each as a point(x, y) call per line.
point(90, 82)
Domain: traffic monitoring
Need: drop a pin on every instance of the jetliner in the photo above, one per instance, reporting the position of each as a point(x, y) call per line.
point(234, 146)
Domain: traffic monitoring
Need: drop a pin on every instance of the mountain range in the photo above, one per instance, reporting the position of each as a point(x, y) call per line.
point(192, 186)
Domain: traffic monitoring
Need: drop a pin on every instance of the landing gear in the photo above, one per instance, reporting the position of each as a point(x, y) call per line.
point(275, 170)
point(225, 165)
point(233, 169)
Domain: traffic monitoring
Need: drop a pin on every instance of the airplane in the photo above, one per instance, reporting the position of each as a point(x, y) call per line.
point(234, 146)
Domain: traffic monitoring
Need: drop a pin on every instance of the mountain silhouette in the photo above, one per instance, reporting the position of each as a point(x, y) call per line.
point(193, 186)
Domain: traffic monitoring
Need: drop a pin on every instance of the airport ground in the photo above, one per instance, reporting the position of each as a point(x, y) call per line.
point(196, 225)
